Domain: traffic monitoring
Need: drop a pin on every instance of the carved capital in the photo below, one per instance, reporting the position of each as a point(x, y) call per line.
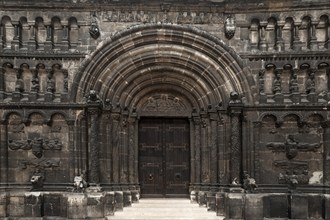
point(257, 124)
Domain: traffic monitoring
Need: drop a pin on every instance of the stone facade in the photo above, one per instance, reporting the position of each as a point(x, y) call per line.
point(252, 78)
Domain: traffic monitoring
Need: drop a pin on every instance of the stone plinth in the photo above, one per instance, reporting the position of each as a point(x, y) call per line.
point(95, 205)
point(33, 204)
point(77, 204)
point(119, 201)
point(254, 205)
point(234, 205)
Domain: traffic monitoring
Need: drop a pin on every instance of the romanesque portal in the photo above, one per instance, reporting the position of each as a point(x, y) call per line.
point(225, 105)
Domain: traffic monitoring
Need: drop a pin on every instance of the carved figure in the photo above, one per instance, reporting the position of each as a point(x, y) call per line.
point(93, 97)
point(294, 83)
point(230, 27)
point(249, 184)
point(80, 183)
point(261, 82)
point(37, 180)
point(35, 83)
point(94, 30)
point(19, 87)
point(310, 82)
point(50, 83)
point(36, 144)
point(277, 85)
point(234, 98)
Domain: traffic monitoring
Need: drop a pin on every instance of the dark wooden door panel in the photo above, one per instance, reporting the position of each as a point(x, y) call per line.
point(164, 156)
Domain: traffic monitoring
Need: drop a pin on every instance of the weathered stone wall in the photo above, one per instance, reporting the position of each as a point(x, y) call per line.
point(275, 54)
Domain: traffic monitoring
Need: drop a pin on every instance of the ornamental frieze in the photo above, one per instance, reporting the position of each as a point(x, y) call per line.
point(164, 17)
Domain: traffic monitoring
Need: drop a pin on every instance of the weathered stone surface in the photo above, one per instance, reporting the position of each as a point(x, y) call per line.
point(77, 206)
point(251, 81)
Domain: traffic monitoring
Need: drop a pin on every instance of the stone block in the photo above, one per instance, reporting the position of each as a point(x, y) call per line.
point(220, 203)
point(3, 205)
point(127, 198)
point(109, 203)
point(254, 206)
point(315, 206)
point(95, 205)
point(15, 207)
point(275, 206)
point(33, 204)
point(119, 201)
point(299, 206)
point(210, 201)
point(234, 206)
point(201, 198)
point(77, 204)
point(55, 205)
point(327, 207)
point(193, 196)
point(135, 195)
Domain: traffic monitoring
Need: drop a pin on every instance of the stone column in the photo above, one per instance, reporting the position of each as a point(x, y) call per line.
point(65, 38)
point(214, 150)
point(192, 153)
point(48, 42)
point(15, 42)
point(2, 83)
point(72, 153)
point(235, 110)
point(263, 44)
point(326, 154)
point(64, 95)
point(313, 42)
point(115, 146)
point(32, 44)
point(131, 149)
point(94, 175)
point(1, 38)
point(3, 152)
point(296, 40)
point(197, 134)
point(280, 42)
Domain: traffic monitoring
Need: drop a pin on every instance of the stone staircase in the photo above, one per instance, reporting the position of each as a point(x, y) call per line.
point(165, 209)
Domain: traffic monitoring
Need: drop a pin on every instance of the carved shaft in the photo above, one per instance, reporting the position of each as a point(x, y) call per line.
point(192, 153)
point(326, 165)
point(198, 151)
point(3, 153)
point(235, 159)
point(94, 150)
point(214, 152)
point(2, 79)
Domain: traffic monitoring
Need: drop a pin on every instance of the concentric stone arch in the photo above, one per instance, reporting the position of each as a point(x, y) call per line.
point(133, 64)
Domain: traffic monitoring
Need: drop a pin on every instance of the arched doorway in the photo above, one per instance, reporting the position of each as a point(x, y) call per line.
point(163, 72)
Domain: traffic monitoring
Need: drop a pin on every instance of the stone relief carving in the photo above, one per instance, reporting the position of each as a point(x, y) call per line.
point(164, 103)
point(94, 29)
point(277, 84)
point(230, 26)
point(293, 87)
point(164, 16)
point(37, 145)
point(41, 163)
point(310, 82)
point(294, 171)
point(291, 147)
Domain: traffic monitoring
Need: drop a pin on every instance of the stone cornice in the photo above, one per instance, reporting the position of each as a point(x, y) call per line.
point(40, 55)
point(230, 6)
point(299, 55)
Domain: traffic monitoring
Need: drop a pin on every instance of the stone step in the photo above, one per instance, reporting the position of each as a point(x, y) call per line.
point(165, 209)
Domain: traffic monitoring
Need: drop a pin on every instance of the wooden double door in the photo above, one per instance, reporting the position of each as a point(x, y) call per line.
point(164, 157)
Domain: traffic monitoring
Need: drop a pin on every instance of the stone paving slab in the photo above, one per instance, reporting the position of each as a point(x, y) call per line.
point(165, 209)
